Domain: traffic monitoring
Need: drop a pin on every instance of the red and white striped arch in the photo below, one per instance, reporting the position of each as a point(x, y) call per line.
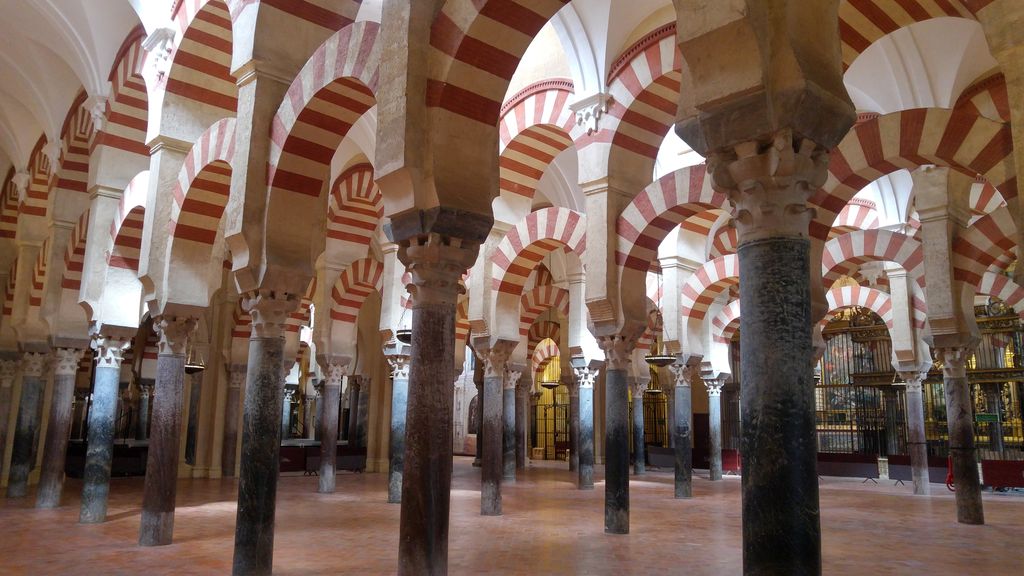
point(645, 85)
point(844, 254)
point(201, 63)
point(302, 316)
point(662, 206)
point(987, 97)
point(9, 207)
point(1004, 288)
point(355, 283)
point(37, 197)
point(725, 242)
point(725, 324)
point(534, 237)
point(355, 208)
point(543, 354)
point(863, 22)
point(542, 298)
point(126, 229)
point(242, 326)
point(846, 296)
point(541, 330)
point(477, 45)
point(986, 242)
point(203, 186)
point(127, 109)
point(858, 214)
point(985, 199)
point(710, 280)
point(74, 256)
point(35, 295)
point(462, 326)
point(73, 173)
point(12, 280)
point(909, 139)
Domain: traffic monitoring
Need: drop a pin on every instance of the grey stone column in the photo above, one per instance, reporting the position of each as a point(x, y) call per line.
point(491, 472)
point(574, 420)
point(261, 433)
point(399, 405)
point(436, 264)
point(354, 383)
point(960, 421)
point(995, 429)
point(161, 486)
point(522, 422)
point(714, 388)
point(51, 478)
point(232, 415)
point(683, 431)
point(478, 380)
point(26, 427)
point(637, 388)
point(145, 401)
point(286, 412)
point(192, 428)
point(917, 443)
point(334, 370)
point(617, 350)
point(585, 378)
point(362, 423)
point(509, 425)
point(8, 370)
point(109, 352)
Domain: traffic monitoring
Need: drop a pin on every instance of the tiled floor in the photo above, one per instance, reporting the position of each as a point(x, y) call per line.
point(549, 527)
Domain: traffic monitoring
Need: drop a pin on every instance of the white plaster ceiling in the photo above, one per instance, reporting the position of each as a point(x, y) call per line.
point(49, 50)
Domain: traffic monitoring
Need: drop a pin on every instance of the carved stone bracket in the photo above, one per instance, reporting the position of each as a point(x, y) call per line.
point(269, 311)
point(33, 364)
point(954, 361)
point(618, 351)
point(399, 366)
point(590, 110)
point(586, 377)
point(174, 333)
point(684, 373)
point(334, 373)
point(638, 386)
point(436, 264)
point(66, 361)
point(496, 357)
point(914, 380)
point(8, 368)
point(769, 184)
point(714, 386)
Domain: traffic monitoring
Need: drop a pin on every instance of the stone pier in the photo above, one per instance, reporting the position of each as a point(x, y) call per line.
point(160, 489)
point(109, 352)
point(960, 422)
point(334, 373)
point(509, 426)
point(478, 381)
point(683, 431)
point(355, 382)
point(145, 401)
point(522, 423)
point(399, 404)
point(585, 378)
point(261, 433)
point(51, 478)
point(617, 350)
point(637, 387)
point(232, 415)
point(574, 419)
point(492, 469)
point(917, 443)
point(26, 427)
point(714, 387)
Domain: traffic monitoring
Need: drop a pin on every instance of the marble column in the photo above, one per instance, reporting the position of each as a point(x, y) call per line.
point(617, 350)
point(436, 263)
point(769, 183)
point(960, 422)
point(354, 383)
point(917, 443)
point(995, 429)
point(399, 403)
point(232, 414)
point(261, 433)
point(26, 427)
point(192, 428)
point(479, 382)
point(8, 370)
point(109, 352)
point(683, 431)
point(335, 371)
point(495, 360)
point(145, 401)
point(714, 387)
point(286, 412)
point(509, 425)
point(585, 378)
point(51, 478)
point(362, 423)
point(637, 387)
point(522, 423)
point(161, 486)
point(574, 421)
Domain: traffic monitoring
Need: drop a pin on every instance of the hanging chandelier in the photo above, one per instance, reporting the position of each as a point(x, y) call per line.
point(551, 377)
point(194, 362)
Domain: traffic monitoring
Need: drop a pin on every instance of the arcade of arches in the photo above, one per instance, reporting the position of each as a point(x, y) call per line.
point(700, 256)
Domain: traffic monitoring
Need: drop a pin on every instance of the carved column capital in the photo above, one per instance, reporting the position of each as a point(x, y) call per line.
point(269, 311)
point(237, 375)
point(109, 350)
point(399, 366)
point(145, 391)
point(714, 386)
point(364, 383)
point(769, 184)
point(174, 332)
point(436, 264)
point(355, 382)
point(66, 361)
point(586, 377)
point(512, 379)
point(914, 380)
point(8, 368)
point(495, 358)
point(618, 350)
point(954, 361)
point(637, 386)
point(33, 364)
point(289, 394)
point(684, 373)
point(334, 373)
